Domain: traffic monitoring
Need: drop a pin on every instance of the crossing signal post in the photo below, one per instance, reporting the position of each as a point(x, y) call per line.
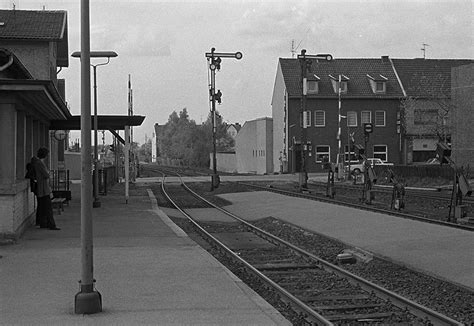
point(215, 59)
point(369, 174)
point(306, 61)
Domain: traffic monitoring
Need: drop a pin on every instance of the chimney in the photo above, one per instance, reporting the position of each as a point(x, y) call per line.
point(385, 58)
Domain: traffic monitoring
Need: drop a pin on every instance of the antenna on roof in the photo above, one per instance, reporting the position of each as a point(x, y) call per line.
point(293, 48)
point(424, 49)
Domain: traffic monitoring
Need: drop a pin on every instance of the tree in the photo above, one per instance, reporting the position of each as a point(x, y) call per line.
point(186, 143)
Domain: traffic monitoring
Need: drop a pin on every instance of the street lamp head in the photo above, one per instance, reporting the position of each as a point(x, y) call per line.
point(96, 54)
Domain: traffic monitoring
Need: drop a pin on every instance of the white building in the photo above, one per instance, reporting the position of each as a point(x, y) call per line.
point(254, 147)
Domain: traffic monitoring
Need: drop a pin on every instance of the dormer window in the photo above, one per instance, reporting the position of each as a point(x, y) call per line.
point(311, 85)
point(378, 84)
point(343, 84)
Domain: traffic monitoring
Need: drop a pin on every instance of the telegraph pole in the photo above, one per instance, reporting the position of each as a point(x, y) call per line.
point(305, 64)
point(215, 60)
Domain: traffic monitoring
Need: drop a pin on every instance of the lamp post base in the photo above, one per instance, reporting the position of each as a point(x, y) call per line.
point(303, 181)
point(215, 181)
point(96, 203)
point(87, 302)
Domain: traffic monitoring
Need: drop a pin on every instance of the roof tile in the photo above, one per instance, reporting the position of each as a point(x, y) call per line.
point(32, 24)
point(355, 69)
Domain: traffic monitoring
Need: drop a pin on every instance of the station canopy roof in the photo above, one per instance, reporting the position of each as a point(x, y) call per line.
point(104, 122)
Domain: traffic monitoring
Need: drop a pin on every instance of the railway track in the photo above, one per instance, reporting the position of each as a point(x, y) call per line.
point(317, 291)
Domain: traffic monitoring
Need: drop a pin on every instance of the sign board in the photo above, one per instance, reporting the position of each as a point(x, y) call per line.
point(368, 128)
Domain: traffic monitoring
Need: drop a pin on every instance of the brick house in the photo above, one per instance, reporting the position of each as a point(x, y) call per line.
point(402, 98)
point(33, 46)
point(370, 93)
point(426, 107)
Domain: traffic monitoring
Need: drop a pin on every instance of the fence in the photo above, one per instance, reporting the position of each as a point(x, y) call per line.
point(59, 182)
point(421, 171)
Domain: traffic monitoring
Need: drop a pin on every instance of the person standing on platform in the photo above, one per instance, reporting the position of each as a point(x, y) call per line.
point(43, 193)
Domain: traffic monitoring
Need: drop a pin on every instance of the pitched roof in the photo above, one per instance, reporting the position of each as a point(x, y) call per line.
point(356, 70)
point(427, 77)
point(32, 24)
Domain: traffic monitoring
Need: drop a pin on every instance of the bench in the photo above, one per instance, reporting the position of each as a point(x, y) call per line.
point(59, 204)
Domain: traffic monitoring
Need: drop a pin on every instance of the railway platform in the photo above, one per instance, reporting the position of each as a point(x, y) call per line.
point(147, 270)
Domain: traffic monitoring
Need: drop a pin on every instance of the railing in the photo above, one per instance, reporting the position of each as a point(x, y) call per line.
point(422, 171)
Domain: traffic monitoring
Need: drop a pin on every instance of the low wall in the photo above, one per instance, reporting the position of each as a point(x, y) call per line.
point(226, 162)
point(16, 210)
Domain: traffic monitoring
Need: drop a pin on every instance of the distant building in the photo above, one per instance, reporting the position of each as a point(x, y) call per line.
point(254, 147)
point(233, 129)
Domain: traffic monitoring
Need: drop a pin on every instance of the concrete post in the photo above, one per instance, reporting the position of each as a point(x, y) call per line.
point(88, 300)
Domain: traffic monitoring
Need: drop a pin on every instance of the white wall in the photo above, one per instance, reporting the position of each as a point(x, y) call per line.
point(279, 121)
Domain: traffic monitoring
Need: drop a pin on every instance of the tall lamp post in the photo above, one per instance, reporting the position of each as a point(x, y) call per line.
point(305, 64)
point(96, 54)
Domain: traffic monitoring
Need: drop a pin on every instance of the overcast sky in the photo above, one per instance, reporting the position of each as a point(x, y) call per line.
point(162, 45)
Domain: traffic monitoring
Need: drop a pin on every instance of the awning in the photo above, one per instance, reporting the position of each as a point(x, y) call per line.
point(104, 122)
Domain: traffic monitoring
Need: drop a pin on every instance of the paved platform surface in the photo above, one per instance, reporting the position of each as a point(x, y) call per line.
point(442, 251)
point(148, 272)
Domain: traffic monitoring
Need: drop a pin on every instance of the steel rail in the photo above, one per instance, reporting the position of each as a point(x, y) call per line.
point(402, 302)
point(362, 207)
point(312, 315)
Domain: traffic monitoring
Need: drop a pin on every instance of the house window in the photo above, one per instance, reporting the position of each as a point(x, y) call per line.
point(306, 119)
point(319, 118)
point(312, 86)
point(380, 87)
point(322, 151)
point(380, 151)
point(365, 117)
point(343, 86)
point(353, 156)
point(380, 118)
point(352, 119)
point(335, 83)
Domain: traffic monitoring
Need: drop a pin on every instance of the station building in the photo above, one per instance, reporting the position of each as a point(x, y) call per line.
point(33, 110)
point(33, 49)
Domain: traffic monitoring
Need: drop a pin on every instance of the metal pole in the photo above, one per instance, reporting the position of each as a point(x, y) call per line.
point(87, 301)
point(339, 129)
point(348, 150)
point(303, 175)
point(214, 182)
point(127, 157)
point(95, 189)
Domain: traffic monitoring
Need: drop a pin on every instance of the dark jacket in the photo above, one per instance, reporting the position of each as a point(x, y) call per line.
point(42, 177)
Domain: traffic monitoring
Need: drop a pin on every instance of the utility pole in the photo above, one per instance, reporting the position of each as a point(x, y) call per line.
point(215, 60)
point(305, 64)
